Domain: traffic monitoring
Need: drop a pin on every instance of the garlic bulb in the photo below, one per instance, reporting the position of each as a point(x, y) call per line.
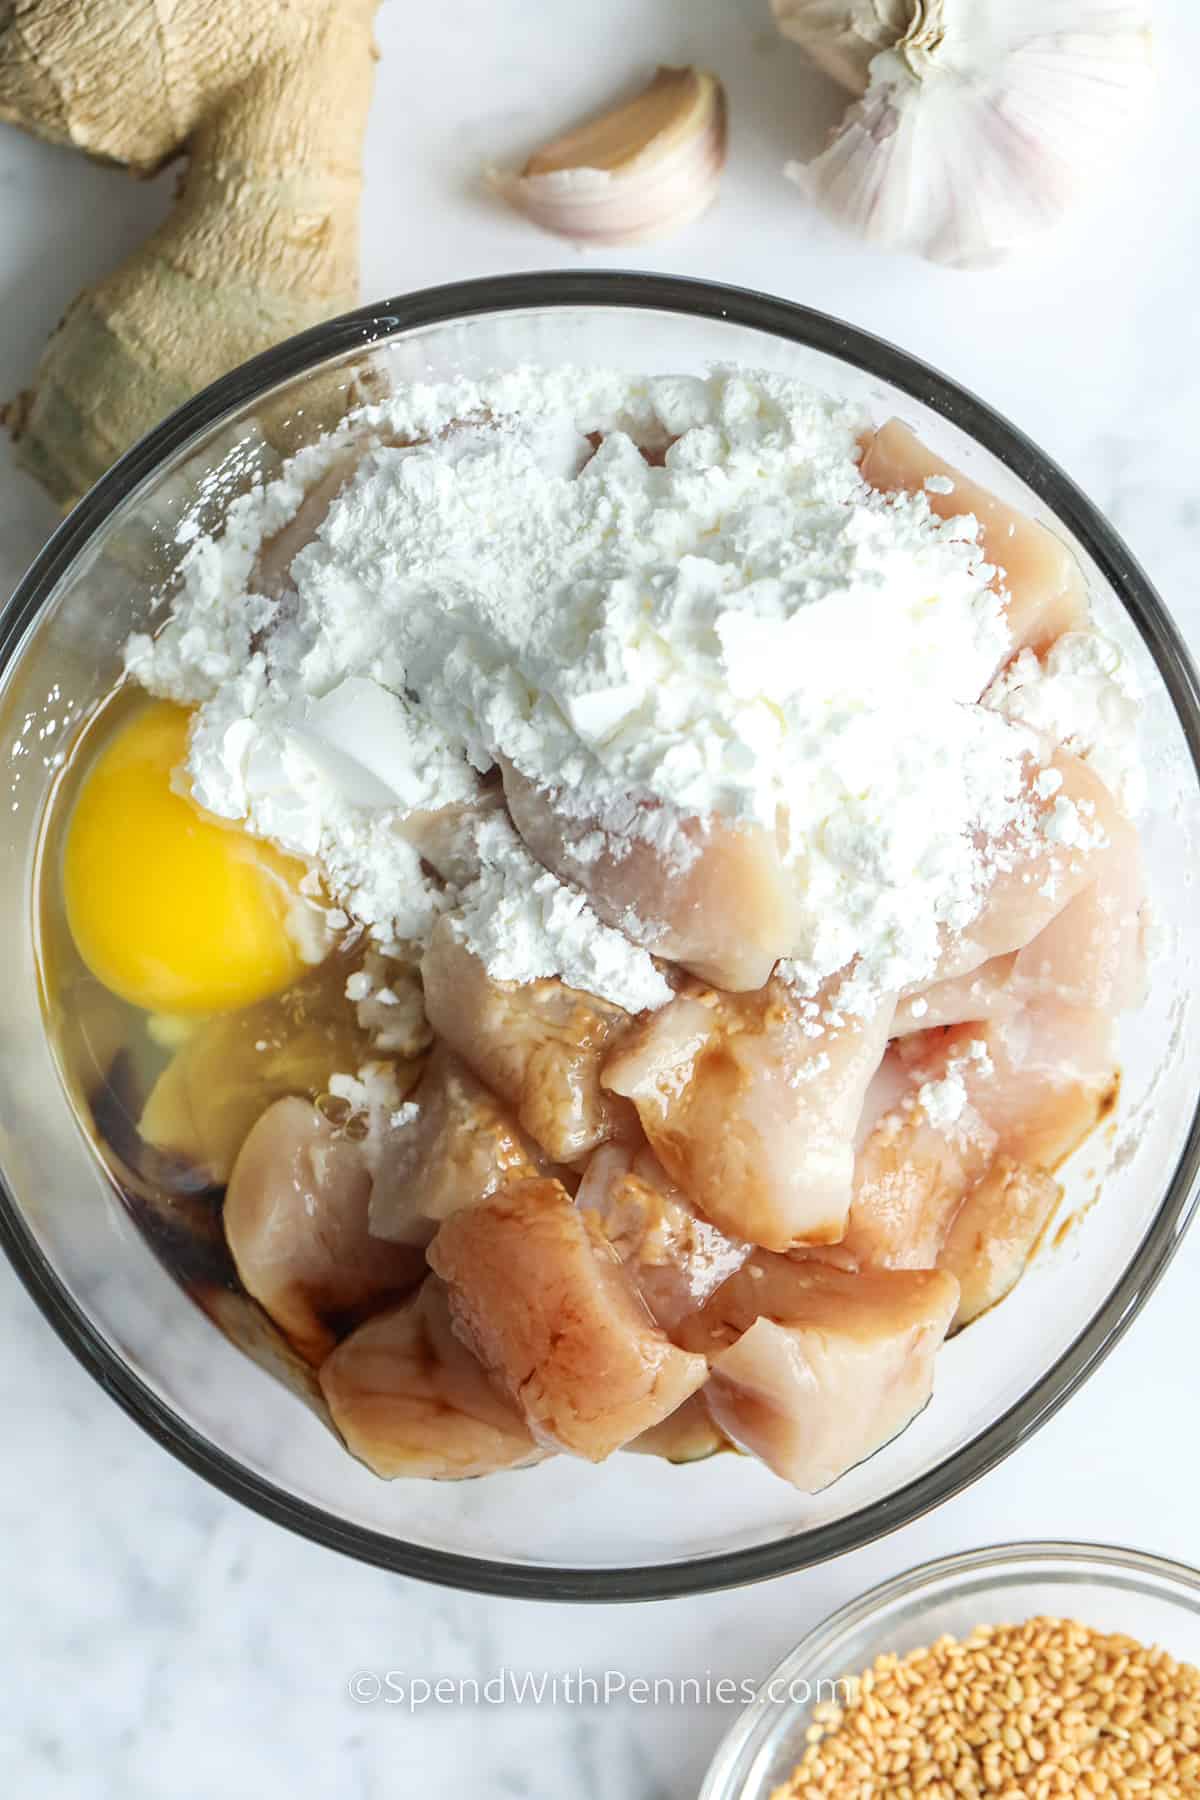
point(844, 36)
point(640, 170)
point(979, 123)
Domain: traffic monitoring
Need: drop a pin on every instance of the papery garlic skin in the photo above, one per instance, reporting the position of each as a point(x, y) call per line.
point(635, 173)
point(844, 36)
point(983, 124)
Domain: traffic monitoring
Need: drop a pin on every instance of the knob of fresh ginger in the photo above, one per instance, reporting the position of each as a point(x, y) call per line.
point(267, 99)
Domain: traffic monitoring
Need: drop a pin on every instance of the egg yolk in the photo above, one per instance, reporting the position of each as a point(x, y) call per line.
point(172, 909)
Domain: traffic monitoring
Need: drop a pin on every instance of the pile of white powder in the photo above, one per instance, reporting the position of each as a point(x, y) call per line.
point(737, 627)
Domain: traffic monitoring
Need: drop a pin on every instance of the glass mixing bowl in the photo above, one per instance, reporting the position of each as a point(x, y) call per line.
point(1144, 1597)
point(634, 1528)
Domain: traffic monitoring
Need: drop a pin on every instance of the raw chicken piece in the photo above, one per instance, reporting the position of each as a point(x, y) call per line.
point(234, 1065)
point(986, 993)
point(537, 1044)
point(1029, 1087)
point(909, 1181)
point(538, 1293)
point(751, 1115)
point(1047, 594)
point(1089, 955)
point(1048, 1077)
point(886, 1088)
point(813, 1368)
point(446, 837)
point(410, 1399)
point(830, 1256)
point(457, 1148)
point(296, 1221)
point(676, 1258)
point(1092, 954)
point(690, 1434)
point(994, 1234)
point(728, 914)
point(272, 573)
point(1074, 831)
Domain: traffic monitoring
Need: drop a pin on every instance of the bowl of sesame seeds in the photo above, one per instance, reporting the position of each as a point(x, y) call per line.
point(1021, 1670)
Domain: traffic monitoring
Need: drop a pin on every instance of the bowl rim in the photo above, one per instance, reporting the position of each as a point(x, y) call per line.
point(1178, 1582)
point(599, 289)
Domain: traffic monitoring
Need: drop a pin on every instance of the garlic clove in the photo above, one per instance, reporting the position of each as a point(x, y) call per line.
point(842, 36)
point(983, 123)
point(635, 172)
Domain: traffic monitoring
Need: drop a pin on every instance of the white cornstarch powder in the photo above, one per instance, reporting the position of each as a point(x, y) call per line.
point(736, 627)
point(1084, 695)
point(945, 1102)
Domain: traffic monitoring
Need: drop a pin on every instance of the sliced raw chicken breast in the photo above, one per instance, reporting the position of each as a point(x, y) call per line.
point(986, 993)
point(446, 836)
point(1047, 594)
point(994, 1234)
point(830, 1256)
point(909, 1182)
point(296, 1221)
point(813, 1368)
point(1075, 830)
point(537, 1044)
point(454, 1145)
point(675, 1256)
point(234, 1065)
point(272, 573)
point(690, 1434)
point(1049, 1077)
point(1028, 1088)
point(726, 909)
point(752, 1109)
point(538, 1293)
point(410, 1399)
point(886, 1088)
point(1091, 954)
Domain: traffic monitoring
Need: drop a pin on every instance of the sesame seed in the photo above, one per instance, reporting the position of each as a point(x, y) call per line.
point(1024, 1712)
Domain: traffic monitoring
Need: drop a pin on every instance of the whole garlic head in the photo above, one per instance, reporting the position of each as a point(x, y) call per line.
point(843, 37)
point(979, 123)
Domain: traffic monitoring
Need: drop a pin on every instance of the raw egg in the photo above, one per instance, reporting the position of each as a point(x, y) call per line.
point(174, 910)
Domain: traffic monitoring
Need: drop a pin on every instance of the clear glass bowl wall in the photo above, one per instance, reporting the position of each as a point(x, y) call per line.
point(634, 1527)
point(1111, 1590)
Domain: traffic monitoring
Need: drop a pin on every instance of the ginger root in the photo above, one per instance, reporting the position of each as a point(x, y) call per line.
point(268, 101)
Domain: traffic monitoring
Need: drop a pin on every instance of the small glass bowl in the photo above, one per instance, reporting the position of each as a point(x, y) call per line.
point(1146, 1597)
point(636, 1528)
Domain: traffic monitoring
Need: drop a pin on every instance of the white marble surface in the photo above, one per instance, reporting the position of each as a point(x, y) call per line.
point(160, 1643)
